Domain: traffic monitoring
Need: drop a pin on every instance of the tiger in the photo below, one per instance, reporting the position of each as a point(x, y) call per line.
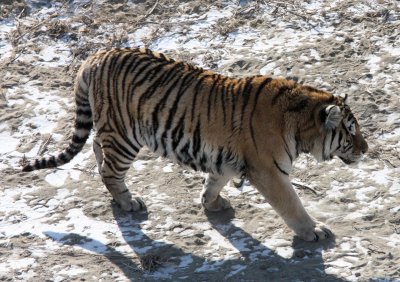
point(227, 127)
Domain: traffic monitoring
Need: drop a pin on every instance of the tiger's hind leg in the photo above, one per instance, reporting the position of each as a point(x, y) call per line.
point(210, 197)
point(114, 166)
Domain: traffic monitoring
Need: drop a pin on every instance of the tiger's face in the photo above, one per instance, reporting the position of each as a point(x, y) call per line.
point(343, 136)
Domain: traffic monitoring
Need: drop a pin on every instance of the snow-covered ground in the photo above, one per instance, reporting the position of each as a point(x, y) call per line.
point(60, 224)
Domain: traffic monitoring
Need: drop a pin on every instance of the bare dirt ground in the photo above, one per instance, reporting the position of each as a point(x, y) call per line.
point(61, 225)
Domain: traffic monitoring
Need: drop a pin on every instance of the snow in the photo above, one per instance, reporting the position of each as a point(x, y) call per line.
point(48, 110)
point(9, 143)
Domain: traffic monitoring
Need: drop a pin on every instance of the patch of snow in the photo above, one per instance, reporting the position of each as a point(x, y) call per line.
point(360, 193)
point(373, 63)
point(139, 165)
point(209, 266)
point(8, 142)
point(168, 168)
point(71, 270)
point(268, 68)
point(280, 246)
point(236, 269)
point(17, 264)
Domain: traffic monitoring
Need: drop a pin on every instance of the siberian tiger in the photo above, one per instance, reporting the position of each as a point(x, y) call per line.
point(224, 126)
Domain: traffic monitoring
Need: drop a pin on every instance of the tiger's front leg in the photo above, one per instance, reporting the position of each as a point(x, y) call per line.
point(210, 197)
point(278, 191)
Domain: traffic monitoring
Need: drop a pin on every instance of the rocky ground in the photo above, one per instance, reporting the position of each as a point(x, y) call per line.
point(61, 225)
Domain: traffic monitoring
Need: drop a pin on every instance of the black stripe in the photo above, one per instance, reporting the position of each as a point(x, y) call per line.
point(196, 139)
point(288, 150)
point(162, 57)
point(110, 164)
point(134, 68)
point(79, 140)
point(84, 112)
point(219, 93)
point(155, 85)
point(298, 144)
point(177, 132)
point(184, 154)
point(223, 99)
point(83, 125)
point(219, 160)
point(333, 138)
point(71, 152)
point(122, 150)
point(203, 162)
point(81, 99)
point(27, 168)
point(197, 89)
point(114, 177)
point(76, 146)
point(246, 96)
point(36, 164)
point(278, 167)
point(185, 84)
point(152, 70)
point(257, 95)
point(233, 98)
point(210, 93)
point(111, 63)
point(299, 106)
point(117, 162)
point(323, 148)
point(168, 75)
point(282, 90)
point(62, 157)
point(161, 104)
point(52, 162)
point(339, 140)
point(120, 97)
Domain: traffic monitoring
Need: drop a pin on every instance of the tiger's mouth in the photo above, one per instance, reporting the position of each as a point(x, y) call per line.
point(355, 158)
point(347, 161)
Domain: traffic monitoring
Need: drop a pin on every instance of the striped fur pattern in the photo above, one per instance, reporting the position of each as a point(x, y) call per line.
point(254, 126)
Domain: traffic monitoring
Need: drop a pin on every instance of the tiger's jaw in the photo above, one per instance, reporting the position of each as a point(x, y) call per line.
point(346, 161)
point(353, 159)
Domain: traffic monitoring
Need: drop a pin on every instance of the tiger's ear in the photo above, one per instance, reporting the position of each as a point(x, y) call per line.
point(331, 116)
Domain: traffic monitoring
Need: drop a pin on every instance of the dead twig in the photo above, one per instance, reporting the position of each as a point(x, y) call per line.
point(24, 161)
point(43, 146)
point(304, 187)
point(151, 10)
point(151, 262)
point(373, 249)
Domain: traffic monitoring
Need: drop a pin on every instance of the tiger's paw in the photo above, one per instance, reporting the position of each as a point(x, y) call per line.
point(318, 233)
point(218, 205)
point(134, 204)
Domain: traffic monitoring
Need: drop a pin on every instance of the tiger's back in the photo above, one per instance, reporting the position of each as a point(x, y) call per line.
point(254, 126)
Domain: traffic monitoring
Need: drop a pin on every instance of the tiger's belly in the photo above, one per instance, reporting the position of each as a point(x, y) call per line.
point(198, 155)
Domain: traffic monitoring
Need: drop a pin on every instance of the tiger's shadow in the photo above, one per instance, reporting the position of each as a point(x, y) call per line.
point(171, 262)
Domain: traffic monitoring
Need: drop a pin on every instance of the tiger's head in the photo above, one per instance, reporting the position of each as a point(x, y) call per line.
point(341, 132)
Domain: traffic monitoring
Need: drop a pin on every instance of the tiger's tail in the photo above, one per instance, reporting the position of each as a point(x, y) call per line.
point(83, 126)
